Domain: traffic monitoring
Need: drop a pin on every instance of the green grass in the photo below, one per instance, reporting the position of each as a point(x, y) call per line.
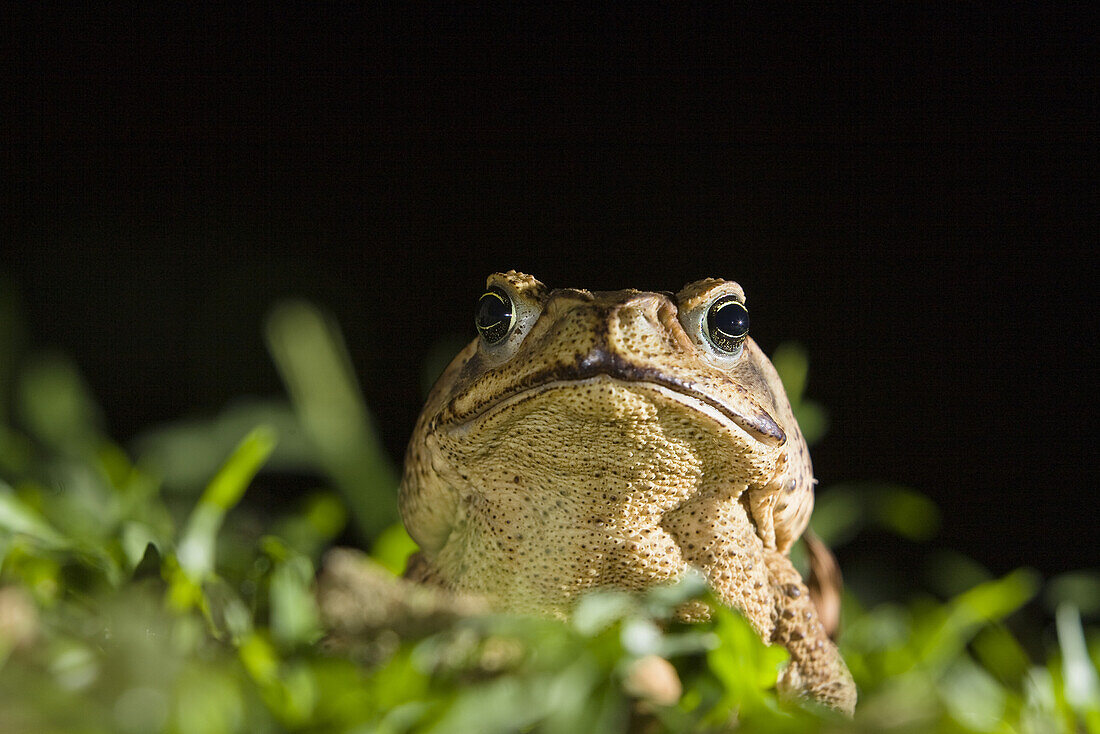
point(159, 589)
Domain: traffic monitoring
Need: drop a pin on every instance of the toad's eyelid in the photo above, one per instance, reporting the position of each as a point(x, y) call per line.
point(717, 306)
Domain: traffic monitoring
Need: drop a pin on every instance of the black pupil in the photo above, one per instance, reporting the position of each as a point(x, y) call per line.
point(732, 320)
point(728, 324)
point(494, 315)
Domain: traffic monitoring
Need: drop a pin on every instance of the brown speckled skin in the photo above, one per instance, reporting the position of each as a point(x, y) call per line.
point(604, 443)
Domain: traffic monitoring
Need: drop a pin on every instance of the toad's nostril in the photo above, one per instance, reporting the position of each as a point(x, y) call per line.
point(639, 309)
point(645, 325)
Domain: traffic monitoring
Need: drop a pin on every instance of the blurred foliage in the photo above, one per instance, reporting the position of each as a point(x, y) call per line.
point(163, 590)
point(793, 365)
point(309, 351)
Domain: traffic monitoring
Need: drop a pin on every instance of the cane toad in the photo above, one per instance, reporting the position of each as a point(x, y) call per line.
point(615, 439)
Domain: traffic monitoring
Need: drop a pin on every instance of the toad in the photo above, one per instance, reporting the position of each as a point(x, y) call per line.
point(615, 439)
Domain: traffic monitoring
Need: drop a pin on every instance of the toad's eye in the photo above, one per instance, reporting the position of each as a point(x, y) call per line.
point(727, 324)
point(495, 315)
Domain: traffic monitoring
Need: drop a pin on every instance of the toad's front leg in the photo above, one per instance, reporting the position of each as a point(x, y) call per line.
point(816, 668)
point(714, 534)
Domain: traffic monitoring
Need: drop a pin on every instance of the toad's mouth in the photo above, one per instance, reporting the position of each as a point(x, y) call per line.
point(740, 409)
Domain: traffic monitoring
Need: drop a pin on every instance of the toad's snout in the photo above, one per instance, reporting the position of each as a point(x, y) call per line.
point(636, 337)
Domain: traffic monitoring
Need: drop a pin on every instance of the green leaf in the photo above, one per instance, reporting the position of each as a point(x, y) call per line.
point(793, 364)
point(992, 601)
point(950, 573)
point(136, 538)
point(17, 518)
point(843, 510)
point(185, 454)
point(742, 662)
point(1079, 588)
point(972, 696)
point(229, 484)
point(908, 513)
point(16, 452)
point(838, 515)
point(294, 616)
point(1082, 683)
point(662, 600)
point(197, 544)
point(318, 520)
point(56, 406)
point(309, 352)
point(813, 420)
point(209, 700)
point(393, 548)
point(599, 610)
point(1002, 654)
point(507, 704)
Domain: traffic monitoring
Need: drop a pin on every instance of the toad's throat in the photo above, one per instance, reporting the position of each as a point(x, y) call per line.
point(741, 411)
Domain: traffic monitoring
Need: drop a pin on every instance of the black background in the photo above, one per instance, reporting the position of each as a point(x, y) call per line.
point(910, 193)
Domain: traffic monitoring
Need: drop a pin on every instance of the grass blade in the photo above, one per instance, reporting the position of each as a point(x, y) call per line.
point(197, 545)
point(310, 355)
